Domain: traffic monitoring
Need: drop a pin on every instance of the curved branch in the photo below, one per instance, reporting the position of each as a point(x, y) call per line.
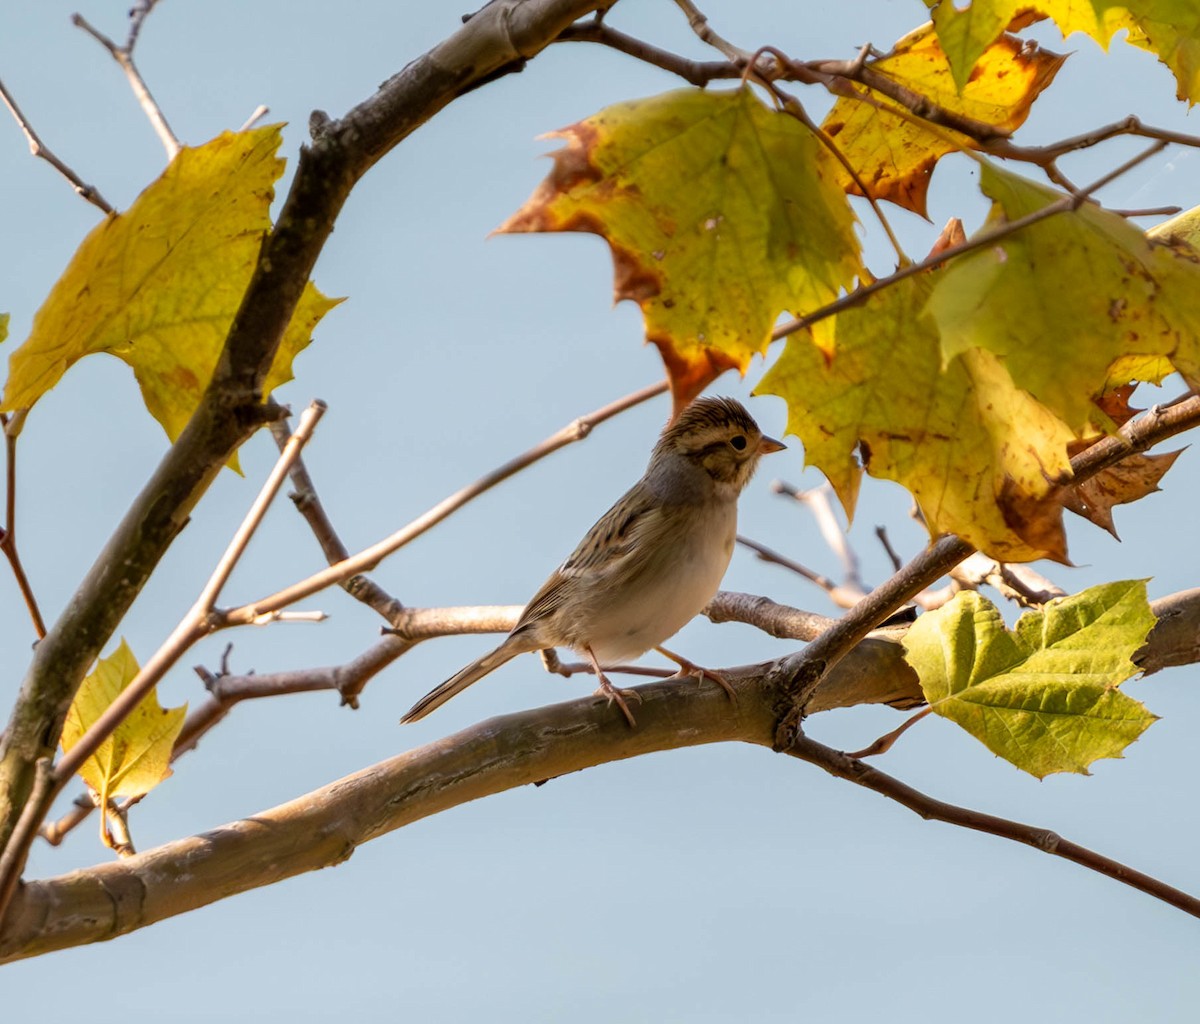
point(324, 827)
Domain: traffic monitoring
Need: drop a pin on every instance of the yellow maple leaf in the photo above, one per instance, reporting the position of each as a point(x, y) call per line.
point(137, 756)
point(158, 285)
point(1064, 299)
point(980, 456)
point(894, 154)
point(720, 214)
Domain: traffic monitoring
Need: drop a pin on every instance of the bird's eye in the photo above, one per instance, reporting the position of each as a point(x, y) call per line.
point(738, 442)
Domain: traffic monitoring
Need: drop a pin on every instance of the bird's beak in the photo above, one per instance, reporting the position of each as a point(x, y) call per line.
point(766, 445)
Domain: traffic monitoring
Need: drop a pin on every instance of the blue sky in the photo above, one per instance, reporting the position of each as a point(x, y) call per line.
point(714, 884)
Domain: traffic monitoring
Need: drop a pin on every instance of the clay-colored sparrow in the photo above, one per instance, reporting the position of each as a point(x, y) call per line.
point(651, 563)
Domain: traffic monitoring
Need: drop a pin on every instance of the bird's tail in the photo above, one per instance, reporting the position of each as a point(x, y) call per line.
point(458, 682)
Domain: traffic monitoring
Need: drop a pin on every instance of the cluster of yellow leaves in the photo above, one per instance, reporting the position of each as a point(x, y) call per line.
point(1043, 696)
point(158, 285)
point(971, 385)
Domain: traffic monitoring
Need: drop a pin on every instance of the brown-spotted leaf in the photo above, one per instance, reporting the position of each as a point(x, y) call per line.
point(1129, 480)
point(720, 214)
point(1066, 298)
point(981, 457)
point(158, 285)
point(895, 153)
point(1170, 29)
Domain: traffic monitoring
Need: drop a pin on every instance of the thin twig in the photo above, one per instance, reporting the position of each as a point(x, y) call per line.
point(699, 24)
point(885, 742)
point(8, 533)
point(123, 55)
point(694, 72)
point(1019, 583)
point(885, 541)
point(817, 502)
point(368, 558)
point(769, 555)
point(978, 241)
point(843, 766)
point(256, 115)
point(308, 503)
point(38, 148)
point(237, 545)
point(793, 107)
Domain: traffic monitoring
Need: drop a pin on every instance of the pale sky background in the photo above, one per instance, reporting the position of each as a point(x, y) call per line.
point(716, 884)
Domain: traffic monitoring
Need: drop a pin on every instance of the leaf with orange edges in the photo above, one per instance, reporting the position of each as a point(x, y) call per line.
point(720, 214)
point(894, 152)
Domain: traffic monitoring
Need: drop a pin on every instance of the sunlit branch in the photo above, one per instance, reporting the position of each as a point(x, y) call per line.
point(368, 558)
point(324, 827)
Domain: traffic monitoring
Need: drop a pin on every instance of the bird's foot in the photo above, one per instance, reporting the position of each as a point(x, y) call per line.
point(614, 695)
point(690, 668)
point(619, 697)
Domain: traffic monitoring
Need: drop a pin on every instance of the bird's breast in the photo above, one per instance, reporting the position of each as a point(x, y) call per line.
point(667, 587)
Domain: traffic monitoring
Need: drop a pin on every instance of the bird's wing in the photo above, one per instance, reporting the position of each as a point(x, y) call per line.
point(602, 552)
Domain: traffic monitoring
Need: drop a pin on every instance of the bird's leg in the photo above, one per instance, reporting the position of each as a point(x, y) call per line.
point(690, 668)
point(607, 689)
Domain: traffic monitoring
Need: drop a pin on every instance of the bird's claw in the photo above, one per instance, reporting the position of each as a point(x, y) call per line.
point(690, 668)
point(618, 697)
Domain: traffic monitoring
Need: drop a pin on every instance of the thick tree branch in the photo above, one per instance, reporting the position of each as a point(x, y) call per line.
point(500, 37)
point(324, 827)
